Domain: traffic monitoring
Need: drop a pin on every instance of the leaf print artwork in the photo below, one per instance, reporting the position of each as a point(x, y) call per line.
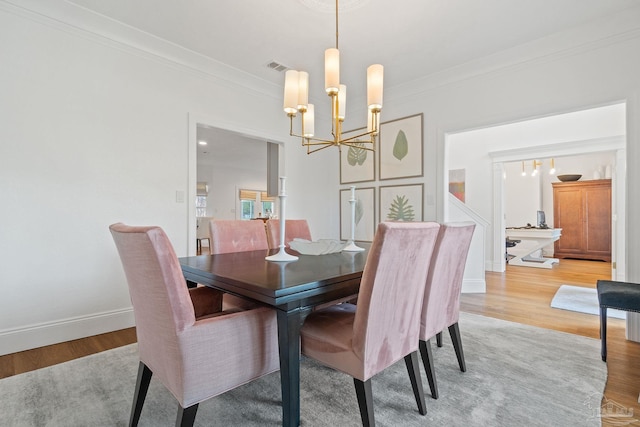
point(359, 210)
point(356, 155)
point(401, 146)
point(401, 210)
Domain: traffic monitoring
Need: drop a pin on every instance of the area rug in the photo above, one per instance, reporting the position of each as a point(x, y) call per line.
point(517, 375)
point(582, 300)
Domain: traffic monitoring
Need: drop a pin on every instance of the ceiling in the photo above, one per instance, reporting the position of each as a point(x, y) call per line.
point(230, 149)
point(411, 38)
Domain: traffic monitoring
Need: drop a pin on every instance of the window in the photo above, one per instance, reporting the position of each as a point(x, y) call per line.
point(248, 199)
point(254, 204)
point(201, 206)
point(202, 190)
point(246, 207)
point(267, 208)
point(268, 204)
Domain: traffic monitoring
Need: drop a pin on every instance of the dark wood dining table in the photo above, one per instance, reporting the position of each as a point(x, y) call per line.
point(293, 289)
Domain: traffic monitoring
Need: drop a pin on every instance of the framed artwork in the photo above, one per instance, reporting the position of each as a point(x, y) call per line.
point(401, 202)
point(456, 183)
point(365, 214)
point(356, 164)
point(401, 148)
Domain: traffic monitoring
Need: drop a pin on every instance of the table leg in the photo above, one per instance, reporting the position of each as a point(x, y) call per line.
point(289, 345)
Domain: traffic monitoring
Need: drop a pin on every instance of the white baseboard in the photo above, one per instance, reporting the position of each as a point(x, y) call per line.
point(39, 335)
point(497, 266)
point(474, 286)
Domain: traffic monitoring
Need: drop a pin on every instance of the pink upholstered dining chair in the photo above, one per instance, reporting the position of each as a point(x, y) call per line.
point(196, 350)
point(362, 340)
point(441, 305)
point(230, 235)
point(234, 235)
point(293, 229)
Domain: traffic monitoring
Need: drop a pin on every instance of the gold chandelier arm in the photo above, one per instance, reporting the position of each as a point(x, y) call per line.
point(322, 147)
point(372, 134)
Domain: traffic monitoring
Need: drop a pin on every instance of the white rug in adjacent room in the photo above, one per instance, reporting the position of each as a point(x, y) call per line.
point(582, 300)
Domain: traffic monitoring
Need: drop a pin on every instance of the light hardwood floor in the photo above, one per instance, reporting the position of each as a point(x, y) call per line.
point(520, 295)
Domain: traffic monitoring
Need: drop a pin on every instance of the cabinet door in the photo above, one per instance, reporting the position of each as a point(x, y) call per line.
point(598, 220)
point(568, 215)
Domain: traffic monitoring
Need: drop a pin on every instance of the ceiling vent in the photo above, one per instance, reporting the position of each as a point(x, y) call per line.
point(275, 65)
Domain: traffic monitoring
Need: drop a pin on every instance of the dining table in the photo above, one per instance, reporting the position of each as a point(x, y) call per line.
point(292, 288)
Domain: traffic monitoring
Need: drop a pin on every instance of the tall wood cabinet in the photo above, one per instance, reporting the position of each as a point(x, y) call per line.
point(583, 210)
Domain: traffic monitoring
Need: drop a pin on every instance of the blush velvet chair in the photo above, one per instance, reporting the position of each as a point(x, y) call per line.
point(441, 305)
point(234, 235)
point(362, 340)
point(194, 349)
point(293, 229)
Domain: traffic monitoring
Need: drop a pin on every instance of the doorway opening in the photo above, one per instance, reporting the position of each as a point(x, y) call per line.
point(482, 154)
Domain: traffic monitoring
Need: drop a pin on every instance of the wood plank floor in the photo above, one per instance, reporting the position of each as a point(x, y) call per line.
point(520, 295)
point(523, 295)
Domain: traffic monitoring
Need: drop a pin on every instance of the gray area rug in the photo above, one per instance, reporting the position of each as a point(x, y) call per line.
point(582, 300)
point(517, 375)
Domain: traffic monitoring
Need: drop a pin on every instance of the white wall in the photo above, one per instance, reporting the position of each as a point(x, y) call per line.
point(94, 131)
point(525, 195)
point(225, 181)
point(521, 192)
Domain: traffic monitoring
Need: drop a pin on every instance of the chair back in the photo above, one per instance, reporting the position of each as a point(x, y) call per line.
point(293, 229)
point(161, 303)
point(386, 324)
point(202, 227)
point(441, 306)
point(237, 236)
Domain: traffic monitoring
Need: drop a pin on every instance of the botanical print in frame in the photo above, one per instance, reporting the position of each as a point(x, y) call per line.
point(401, 148)
point(456, 183)
point(356, 164)
point(365, 214)
point(401, 202)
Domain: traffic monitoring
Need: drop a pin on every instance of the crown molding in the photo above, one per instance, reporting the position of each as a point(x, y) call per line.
point(563, 148)
point(590, 36)
point(68, 17)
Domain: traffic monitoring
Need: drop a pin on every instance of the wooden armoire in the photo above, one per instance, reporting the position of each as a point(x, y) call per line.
point(583, 210)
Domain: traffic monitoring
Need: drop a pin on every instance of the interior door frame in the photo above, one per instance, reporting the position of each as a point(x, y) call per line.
point(195, 120)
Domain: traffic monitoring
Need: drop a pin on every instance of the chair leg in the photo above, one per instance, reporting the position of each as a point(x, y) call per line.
point(454, 331)
point(142, 385)
point(186, 416)
point(413, 368)
point(427, 361)
point(603, 333)
point(439, 339)
point(365, 402)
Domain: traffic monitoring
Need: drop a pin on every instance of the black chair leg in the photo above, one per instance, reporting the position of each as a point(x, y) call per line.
point(603, 333)
point(142, 385)
point(186, 416)
point(454, 331)
point(427, 361)
point(439, 339)
point(365, 402)
point(413, 368)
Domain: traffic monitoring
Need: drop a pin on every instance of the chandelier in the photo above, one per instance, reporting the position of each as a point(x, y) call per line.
point(296, 100)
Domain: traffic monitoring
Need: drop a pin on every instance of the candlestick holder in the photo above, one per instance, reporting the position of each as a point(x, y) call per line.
point(351, 246)
point(282, 255)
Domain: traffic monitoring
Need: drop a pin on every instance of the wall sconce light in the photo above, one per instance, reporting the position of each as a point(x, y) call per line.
point(523, 172)
point(552, 171)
